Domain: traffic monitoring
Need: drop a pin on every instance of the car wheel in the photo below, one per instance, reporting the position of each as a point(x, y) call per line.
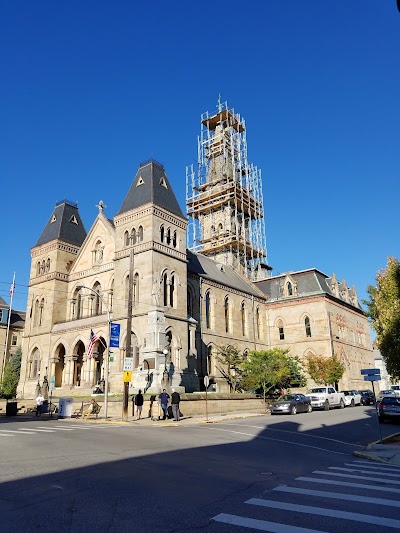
point(294, 410)
point(352, 403)
point(341, 404)
point(326, 405)
point(309, 408)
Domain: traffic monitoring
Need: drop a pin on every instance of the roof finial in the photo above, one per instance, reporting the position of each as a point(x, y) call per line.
point(219, 106)
point(101, 206)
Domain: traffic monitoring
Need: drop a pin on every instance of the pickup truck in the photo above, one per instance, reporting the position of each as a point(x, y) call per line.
point(325, 398)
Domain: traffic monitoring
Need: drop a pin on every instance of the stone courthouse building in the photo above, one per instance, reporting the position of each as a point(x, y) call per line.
point(178, 287)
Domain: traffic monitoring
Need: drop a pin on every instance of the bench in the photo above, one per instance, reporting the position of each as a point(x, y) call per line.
point(78, 413)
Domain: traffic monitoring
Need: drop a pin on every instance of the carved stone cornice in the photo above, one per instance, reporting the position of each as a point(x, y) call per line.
point(54, 245)
point(60, 276)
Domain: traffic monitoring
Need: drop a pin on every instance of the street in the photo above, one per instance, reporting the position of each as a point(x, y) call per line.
point(271, 473)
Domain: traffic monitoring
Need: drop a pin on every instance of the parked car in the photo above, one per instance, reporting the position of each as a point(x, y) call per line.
point(382, 394)
point(351, 398)
point(395, 389)
point(389, 407)
point(367, 397)
point(291, 404)
point(325, 398)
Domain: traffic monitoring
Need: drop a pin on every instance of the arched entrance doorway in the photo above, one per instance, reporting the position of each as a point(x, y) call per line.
point(59, 367)
point(79, 351)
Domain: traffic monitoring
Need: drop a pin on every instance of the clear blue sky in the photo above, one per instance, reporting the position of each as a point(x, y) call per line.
point(89, 89)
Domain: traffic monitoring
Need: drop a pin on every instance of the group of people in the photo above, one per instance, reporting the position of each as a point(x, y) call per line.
point(164, 400)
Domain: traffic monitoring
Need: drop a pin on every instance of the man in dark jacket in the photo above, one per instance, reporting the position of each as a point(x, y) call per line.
point(139, 404)
point(175, 399)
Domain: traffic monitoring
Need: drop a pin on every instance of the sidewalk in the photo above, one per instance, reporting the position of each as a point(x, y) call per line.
point(388, 452)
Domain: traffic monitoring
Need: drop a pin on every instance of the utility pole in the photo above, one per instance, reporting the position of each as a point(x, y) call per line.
point(129, 332)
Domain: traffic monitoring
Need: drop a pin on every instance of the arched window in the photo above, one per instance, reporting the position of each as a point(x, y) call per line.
point(140, 234)
point(220, 229)
point(174, 240)
point(168, 236)
point(136, 288)
point(165, 289)
point(162, 233)
point(42, 269)
point(35, 364)
point(126, 238)
point(126, 289)
point(307, 325)
point(258, 323)
point(172, 291)
point(48, 265)
point(41, 312)
point(79, 305)
point(208, 310)
point(289, 289)
point(38, 269)
point(226, 314)
point(209, 361)
point(281, 330)
point(189, 302)
point(36, 313)
point(243, 317)
point(97, 302)
point(133, 236)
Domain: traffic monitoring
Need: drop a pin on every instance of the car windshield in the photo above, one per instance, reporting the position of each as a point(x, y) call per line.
point(285, 398)
point(319, 389)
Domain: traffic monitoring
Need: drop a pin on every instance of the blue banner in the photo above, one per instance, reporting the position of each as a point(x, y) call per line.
point(114, 335)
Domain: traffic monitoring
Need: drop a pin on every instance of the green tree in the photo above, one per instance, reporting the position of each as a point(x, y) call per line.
point(324, 370)
point(297, 377)
point(11, 375)
point(231, 360)
point(266, 370)
point(384, 314)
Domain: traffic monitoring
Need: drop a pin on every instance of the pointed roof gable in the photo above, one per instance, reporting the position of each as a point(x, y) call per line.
point(64, 224)
point(151, 185)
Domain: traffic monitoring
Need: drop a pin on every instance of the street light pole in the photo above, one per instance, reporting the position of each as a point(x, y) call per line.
point(107, 362)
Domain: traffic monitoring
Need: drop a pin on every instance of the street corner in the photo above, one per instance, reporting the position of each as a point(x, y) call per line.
point(370, 456)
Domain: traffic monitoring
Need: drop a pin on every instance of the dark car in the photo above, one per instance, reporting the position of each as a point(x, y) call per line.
point(389, 407)
point(291, 403)
point(367, 397)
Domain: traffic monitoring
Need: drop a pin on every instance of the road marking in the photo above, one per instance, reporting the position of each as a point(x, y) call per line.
point(374, 479)
point(362, 471)
point(321, 511)
point(20, 432)
point(297, 433)
point(346, 484)
point(38, 429)
point(277, 440)
point(56, 428)
point(338, 496)
point(368, 464)
point(261, 525)
point(5, 435)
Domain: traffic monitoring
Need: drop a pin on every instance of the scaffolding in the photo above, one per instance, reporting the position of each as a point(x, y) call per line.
point(224, 197)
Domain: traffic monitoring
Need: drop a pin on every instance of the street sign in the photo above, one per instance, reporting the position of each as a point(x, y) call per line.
point(128, 363)
point(206, 381)
point(127, 376)
point(369, 371)
point(52, 382)
point(114, 335)
point(372, 377)
point(111, 357)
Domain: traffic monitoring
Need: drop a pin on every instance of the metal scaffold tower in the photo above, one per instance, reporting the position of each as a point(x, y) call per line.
point(224, 197)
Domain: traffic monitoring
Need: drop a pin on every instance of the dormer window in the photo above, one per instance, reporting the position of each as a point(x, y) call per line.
point(53, 219)
point(289, 289)
point(163, 183)
point(73, 220)
point(140, 181)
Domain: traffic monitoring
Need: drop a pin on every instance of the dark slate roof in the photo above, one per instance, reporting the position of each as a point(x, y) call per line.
point(151, 185)
point(207, 268)
point(17, 319)
point(309, 282)
point(64, 224)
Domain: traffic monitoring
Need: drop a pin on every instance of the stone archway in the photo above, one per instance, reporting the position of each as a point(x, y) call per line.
point(59, 366)
point(78, 362)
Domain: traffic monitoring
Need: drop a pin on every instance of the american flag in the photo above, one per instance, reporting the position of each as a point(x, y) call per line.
point(12, 288)
point(93, 339)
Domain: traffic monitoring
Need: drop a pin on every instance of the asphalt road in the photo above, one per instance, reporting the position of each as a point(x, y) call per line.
point(287, 474)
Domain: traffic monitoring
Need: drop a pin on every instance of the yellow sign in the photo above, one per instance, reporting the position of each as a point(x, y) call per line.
point(127, 376)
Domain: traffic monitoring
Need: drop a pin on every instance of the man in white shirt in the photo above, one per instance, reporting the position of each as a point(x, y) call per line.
point(39, 404)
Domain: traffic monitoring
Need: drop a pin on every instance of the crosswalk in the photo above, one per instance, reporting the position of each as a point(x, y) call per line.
point(363, 496)
point(52, 428)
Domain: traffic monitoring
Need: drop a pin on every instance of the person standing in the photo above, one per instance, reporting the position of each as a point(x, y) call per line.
point(164, 397)
point(139, 400)
point(39, 404)
point(175, 400)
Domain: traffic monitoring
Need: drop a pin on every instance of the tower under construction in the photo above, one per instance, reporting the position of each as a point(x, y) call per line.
point(224, 197)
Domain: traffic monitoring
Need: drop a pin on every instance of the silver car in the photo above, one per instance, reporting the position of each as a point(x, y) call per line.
point(291, 404)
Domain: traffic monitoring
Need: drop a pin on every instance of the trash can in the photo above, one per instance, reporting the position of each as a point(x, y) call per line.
point(11, 409)
point(65, 406)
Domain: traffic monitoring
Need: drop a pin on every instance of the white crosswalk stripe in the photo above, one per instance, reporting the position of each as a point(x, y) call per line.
point(299, 503)
point(54, 429)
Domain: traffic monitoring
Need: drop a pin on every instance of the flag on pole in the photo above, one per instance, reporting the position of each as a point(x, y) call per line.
point(12, 288)
point(93, 339)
